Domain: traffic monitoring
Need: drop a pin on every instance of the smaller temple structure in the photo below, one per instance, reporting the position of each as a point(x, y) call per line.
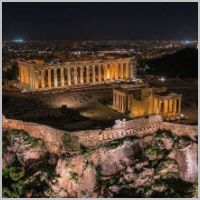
point(146, 101)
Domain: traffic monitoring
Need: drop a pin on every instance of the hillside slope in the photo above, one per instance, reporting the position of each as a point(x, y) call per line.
point(183, 63)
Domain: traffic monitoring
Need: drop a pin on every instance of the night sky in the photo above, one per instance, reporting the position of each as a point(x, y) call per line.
point(100, 21)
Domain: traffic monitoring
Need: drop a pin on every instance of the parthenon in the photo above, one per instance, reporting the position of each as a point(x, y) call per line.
point(36, 74)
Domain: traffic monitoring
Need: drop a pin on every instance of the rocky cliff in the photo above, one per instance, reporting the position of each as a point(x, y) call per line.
point(128, 160)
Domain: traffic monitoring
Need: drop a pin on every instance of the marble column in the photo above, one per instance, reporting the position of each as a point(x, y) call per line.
point(42, 78)
point(81, 75)
point(120, 105)
point(104, 72)
point(171, 106)
point(62, 80)
point(165, 106)
point(55, 77)
point(68, 76)
point(65, 75)
point(75, 76)
point(155, 106)
point(121, 98)
point(123, 104)
point(121, 71)
point(122, 108)
point(179, 110)
point(99, 73)
point(116, 71)
point(159, 106)
point(93, 74)
point(88, 74)
point(131, 70)
point(22, 75)
point(174, 106)
point(127, 71)
point(31, 78)
point(36, 74)
point(114, 99)
point(117, 101)
point(111, 71)
point(168, 107)
point(49, 78)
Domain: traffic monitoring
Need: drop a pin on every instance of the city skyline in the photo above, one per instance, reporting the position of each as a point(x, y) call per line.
point(100, 21)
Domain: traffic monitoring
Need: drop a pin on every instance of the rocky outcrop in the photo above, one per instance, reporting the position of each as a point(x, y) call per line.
point(92, 172)
point(181, 129)
point(75, 176)
point(187, 162)
point(80, 174)
point(111, 161)
point(51, 137)
point(168, 142)
point(145, 177)
point(27, 154)
point(142, 167)
point(8, 157)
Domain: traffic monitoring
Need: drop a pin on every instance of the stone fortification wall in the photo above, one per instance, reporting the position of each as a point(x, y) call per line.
point(137, 127)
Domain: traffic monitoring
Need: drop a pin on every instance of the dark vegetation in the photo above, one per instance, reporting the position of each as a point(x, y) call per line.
point(20, 181)
point(183, 63)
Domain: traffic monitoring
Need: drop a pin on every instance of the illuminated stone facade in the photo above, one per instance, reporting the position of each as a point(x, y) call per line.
point(147, 101)
point(38, 75)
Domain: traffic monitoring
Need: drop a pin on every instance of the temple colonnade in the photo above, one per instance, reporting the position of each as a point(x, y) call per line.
point(121, 102)
point(168, 105)
point(50, 76)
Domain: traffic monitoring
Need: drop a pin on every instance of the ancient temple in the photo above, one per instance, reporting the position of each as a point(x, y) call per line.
point(147, 101)
point(38, 75)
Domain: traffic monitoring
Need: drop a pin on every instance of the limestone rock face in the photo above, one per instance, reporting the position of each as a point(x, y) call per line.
point(8, 158)
point(51, 137)
point(79, 175)
point(168, 143)
point(114, 160)
point(75, 176)
point(26, 154)
point(143, 178)
point(187, 162)
point(108, 162)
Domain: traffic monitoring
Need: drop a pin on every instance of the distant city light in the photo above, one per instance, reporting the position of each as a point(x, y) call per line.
point(187, 42)
point(18, 40)
point(161, 79)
